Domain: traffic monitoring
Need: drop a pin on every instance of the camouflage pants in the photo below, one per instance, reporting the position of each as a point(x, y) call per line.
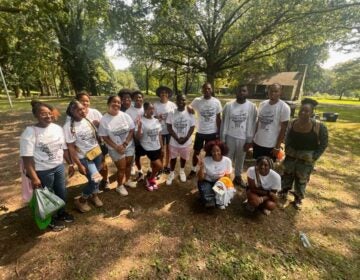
point(296, 172)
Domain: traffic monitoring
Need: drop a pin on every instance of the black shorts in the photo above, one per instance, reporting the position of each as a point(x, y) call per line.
point(152, 155)
point(201, 138)
point(166, 139)
point(260, 151)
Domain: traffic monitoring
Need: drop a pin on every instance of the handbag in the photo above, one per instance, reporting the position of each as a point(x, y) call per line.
point(104, 149)
point(93, 153)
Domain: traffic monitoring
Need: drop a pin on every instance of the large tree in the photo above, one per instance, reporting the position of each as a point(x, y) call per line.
point(213, 36)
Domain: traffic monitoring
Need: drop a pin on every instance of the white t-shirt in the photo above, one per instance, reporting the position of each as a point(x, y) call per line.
point(163, 109)
point(83, 136)
point(135, 113)
point(272, 181)
point(206, 110)
point(116, 127)
point(181, 123)
point(237, 119)
point(45, 144)
point(92, 115)
point(213, 170)
point(269, 122)
point(150, 134)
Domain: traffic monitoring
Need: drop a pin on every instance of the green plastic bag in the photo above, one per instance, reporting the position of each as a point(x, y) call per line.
point(42, 224)
point(47, 202)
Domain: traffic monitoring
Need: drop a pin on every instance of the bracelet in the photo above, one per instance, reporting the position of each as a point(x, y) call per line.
point(71, 165)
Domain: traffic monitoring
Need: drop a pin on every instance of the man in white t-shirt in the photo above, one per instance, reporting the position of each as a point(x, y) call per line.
point(181, 125)
point(208, 110)
point(273, 117)
point(162, 108)
point(238, 129)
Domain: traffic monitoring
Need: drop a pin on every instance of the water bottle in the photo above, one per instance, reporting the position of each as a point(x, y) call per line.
point(305, 241)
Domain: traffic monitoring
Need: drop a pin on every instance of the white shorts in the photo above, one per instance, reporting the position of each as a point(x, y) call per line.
point(129, 152)
point(183, 152)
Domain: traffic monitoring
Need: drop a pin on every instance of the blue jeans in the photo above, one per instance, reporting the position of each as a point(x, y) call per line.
point(207, 195)
point(54, 180)
point(92, 167)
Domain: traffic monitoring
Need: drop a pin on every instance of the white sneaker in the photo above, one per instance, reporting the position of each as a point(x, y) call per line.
point(133, 171)
point(170, 178)
point(182, 176)
point(131, 184)
point(121, 190)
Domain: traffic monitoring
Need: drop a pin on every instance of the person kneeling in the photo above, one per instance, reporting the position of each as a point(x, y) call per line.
point(263, 183)
point(214, 166)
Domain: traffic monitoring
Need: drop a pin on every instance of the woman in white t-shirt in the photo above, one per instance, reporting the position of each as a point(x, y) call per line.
point(94, 116)
point(81, 139)
point(43, 150)
point(117, 130)
point(263, 184)
point(162, 109)
point(214, 166)
point(149, 136)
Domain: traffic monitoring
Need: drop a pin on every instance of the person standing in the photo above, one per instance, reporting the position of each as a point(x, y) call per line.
point(306, 140)
point(43, 150)
point(94, 116)
point(135, 112)
point(149, 135)
point(117, 130)
point(84, 149)
point(162, 108)
point(273, 118)
point(208, 109)
point(181, 125)
point(125, 96)
point(237, 129)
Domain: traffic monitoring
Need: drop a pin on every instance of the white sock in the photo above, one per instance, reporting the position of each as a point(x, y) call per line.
point(194, 168)
point(182, 170)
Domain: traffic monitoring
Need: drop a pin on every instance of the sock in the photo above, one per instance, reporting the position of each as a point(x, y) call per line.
point(194, 168)
point(182, 170)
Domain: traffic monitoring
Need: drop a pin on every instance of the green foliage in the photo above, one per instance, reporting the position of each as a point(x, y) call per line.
point(347, 77)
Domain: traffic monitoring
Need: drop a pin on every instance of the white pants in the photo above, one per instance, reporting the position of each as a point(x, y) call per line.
point(236, 153)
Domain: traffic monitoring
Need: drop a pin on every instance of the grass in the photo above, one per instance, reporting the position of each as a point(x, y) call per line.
point(168, 236)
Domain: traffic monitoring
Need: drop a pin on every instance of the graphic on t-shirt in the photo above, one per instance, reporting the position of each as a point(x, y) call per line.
point(208, 113)
point(50, 149)
point(86, 136)
point(121, 132)
point(153, 134)
point(180, 126)
point(238, 119)
point(266, 118)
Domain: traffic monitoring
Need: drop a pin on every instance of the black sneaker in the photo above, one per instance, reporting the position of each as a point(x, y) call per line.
point(56, 226)
point(65, 217)
point(166, 170)
point(104, 186)
point(191, 175)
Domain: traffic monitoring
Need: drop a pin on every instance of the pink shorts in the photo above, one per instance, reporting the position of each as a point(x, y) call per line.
point(183, 152)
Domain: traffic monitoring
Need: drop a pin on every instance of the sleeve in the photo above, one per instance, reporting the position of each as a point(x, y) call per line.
point(250, 172)
point(130, 121)
point(169, 118)
point(27, 142)
point(98, 115)
point(192, 120)
point(64, 146)
point(285, 113)
point(323, 139)
point(158, 124)
point(276, 181)
point(102, 131)
point(194, 104)
point(69, 137)
point(224, 122)
point(251, 124)
point(229, 166)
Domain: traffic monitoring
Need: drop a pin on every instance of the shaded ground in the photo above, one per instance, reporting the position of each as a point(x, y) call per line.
point(167, 235)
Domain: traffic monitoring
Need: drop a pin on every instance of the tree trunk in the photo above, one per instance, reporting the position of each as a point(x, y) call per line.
point(175, 86)
point(341, 95)
point(147, 80)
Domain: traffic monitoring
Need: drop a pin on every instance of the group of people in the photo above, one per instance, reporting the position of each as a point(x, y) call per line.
point(162, 131)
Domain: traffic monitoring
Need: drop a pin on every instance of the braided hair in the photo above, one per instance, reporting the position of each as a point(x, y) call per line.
point(70, 112)
point(269, 161)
